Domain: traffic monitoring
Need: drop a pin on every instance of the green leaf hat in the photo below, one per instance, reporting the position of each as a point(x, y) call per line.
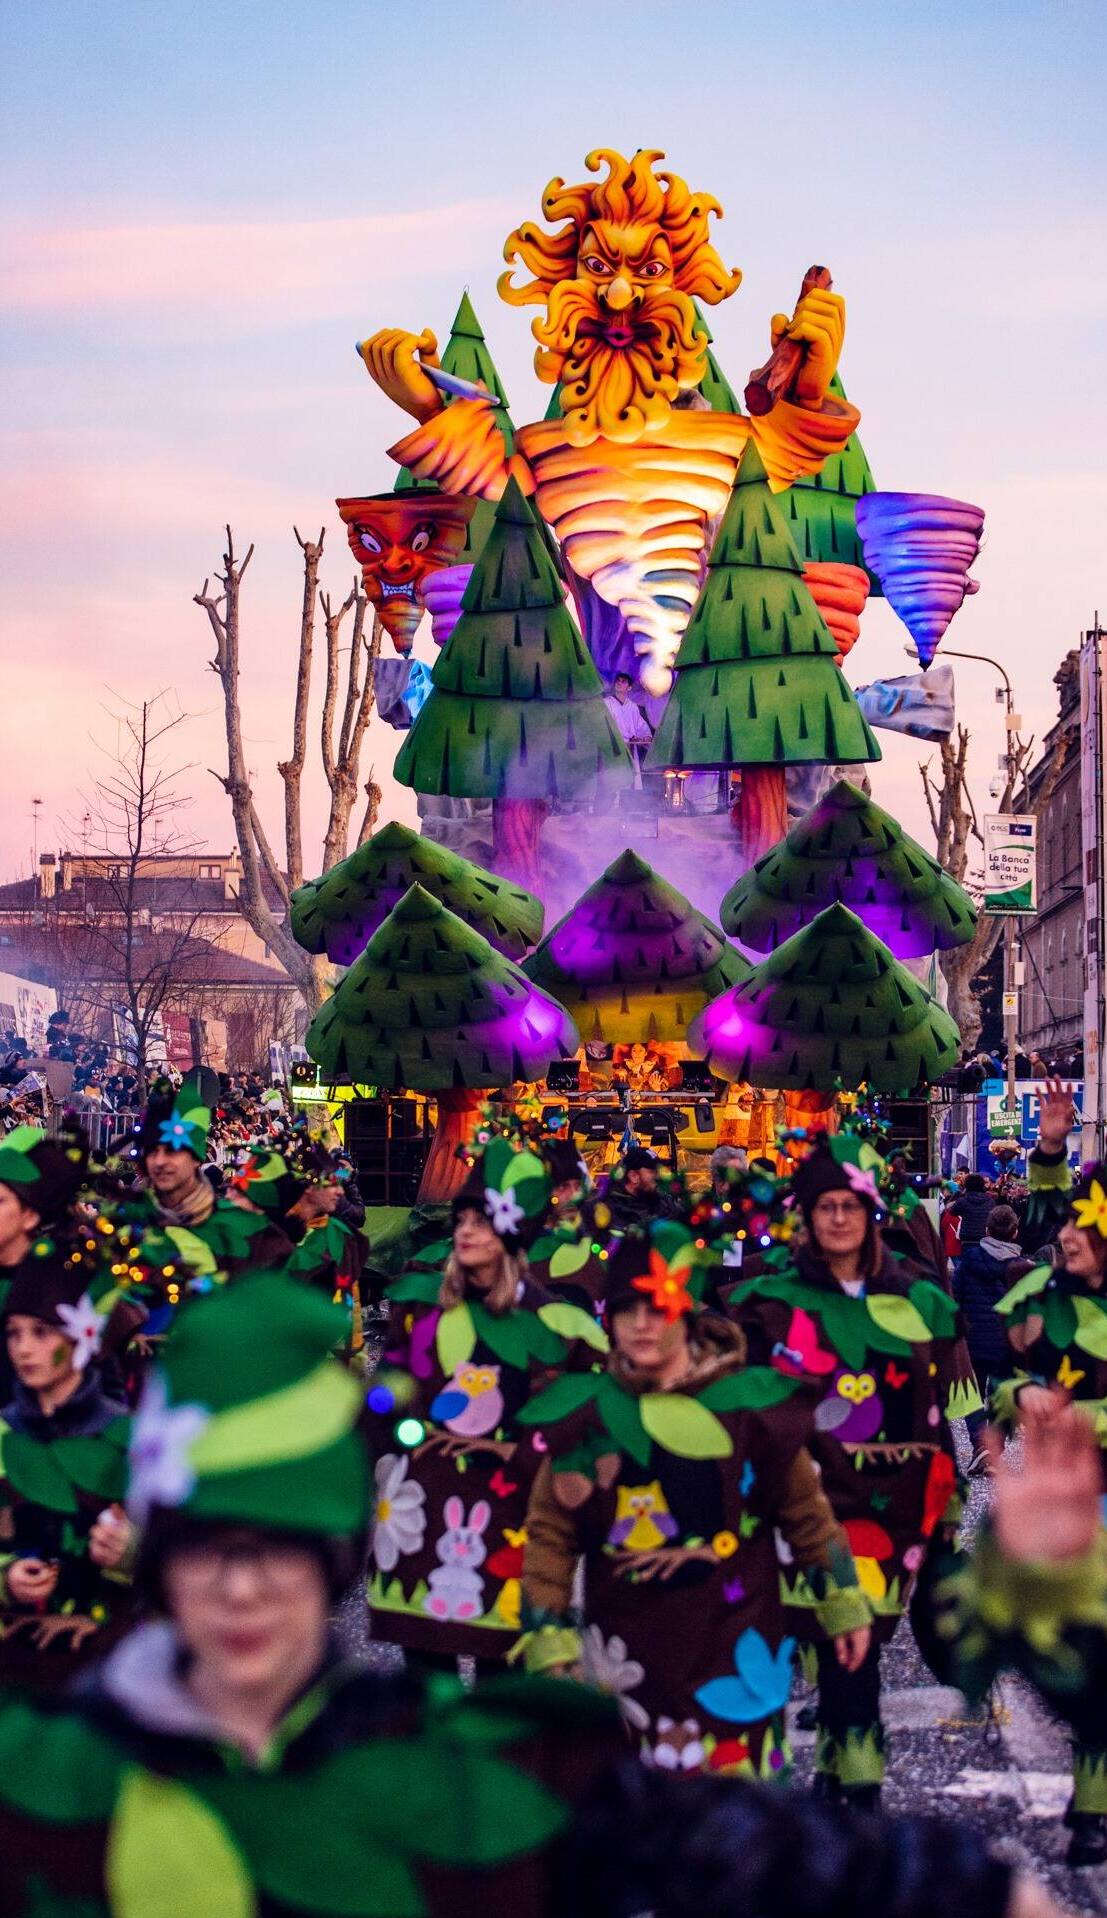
point(511, 1187)
point(182, 1121)
point(46, 1174)
point(248, 1419)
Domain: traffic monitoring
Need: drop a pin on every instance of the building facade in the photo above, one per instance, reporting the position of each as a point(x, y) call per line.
point(1051, 1021)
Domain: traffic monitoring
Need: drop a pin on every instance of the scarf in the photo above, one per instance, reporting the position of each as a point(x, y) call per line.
point(197, 1206)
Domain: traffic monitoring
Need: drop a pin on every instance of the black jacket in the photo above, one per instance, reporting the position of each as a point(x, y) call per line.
point(981, 1277)
point(974, 1209)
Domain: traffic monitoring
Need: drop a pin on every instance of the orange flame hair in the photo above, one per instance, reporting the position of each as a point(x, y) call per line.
point(632, 191)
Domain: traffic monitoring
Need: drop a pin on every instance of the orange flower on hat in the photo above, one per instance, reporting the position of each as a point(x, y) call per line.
point(665, 1288)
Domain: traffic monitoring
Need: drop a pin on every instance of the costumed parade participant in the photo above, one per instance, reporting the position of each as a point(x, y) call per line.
point(296, 1191)
point(208, 1231)
point(223, 1759)
point(1056, 1320)
point(882, 1348)
point(667, 1474)
point(66, 1551)
point(40, 1179)
point(1033, 1596)
point(472, 1343)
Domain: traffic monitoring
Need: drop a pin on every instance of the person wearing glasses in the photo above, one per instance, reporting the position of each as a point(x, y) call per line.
point(880, 1346)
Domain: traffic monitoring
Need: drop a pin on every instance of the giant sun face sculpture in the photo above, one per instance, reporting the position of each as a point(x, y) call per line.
point(618, 281)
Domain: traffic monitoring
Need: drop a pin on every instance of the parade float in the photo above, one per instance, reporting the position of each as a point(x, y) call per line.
point(718, 550)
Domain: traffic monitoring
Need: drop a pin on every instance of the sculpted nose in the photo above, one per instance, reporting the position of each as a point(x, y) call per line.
point(619, 294)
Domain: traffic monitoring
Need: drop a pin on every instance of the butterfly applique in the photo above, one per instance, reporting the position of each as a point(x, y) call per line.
point(503, 1487)
point(1069, 1375)
point(894, 1377)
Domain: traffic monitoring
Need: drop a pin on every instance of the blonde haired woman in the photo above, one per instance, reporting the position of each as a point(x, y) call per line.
point(470, 1342)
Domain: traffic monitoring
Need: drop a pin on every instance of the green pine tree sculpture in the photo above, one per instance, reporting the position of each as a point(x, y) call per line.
point(517, 710)
point(831, 1008)
point(757, 683)
point(633, 960)
point(466, 355)
point(338, 913)
point(714, 386)
point(430, 1006)
point(821, 509)
point(848, 851)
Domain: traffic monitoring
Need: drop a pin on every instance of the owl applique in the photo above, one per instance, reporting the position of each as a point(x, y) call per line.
point(643, 1521)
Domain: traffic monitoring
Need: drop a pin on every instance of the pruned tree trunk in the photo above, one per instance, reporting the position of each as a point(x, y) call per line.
point(266, 886)
point(516, 837)
point(445, 1173)
point(760, 813)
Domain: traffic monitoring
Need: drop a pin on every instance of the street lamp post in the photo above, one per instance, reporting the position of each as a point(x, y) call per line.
point(1010, 989)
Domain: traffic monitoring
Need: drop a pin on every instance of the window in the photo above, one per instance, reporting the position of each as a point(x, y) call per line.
point(209, 872)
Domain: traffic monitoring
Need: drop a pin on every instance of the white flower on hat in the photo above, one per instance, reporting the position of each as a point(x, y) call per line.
point(504, 1211)
point(83, 1326)
point(162, 1437)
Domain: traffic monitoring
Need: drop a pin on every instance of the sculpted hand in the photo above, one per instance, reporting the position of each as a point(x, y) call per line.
point(819, 323)
point(1051, 1508)
point(1056, 1114)
point(30, 1581)
point(395, 360)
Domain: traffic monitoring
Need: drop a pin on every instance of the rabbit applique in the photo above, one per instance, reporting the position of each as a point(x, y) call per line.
point(456, 1586)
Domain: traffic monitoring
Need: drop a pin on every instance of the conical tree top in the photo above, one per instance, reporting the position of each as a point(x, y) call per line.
point(517, 710)
point(430, 1006)
point(757, 680)
point(714, 386)
point(339, 912)
point(830, 1008)
point(821, 508)
point(848, 851)
point(466, 355)
point(633, 959)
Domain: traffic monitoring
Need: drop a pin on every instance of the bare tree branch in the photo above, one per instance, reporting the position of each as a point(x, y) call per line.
point(291, 770)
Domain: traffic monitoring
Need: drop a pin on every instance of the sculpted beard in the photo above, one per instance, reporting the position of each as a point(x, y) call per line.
point(617, 392)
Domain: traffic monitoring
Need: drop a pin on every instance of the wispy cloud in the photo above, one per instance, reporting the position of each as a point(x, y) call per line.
point(288, 270)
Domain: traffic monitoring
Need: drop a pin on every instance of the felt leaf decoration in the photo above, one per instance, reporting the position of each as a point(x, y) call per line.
point(194, 1251)
point(33, 1473)
point(56, 1767)
point(289, 1424)
point(682, 1425)
point(750, 1391)
point(623, 1419)
point(568, 1258)
point(762, 1684)
point(899, 1317)
point(169, 1853)
point(572, 1322)
point(455, 1338)
point(1059, 1314)
point(421, 1287)
point(1027, 1287)
point(936, 1307)
point(1091, 1327)
point(93, 1466)
point(565, 1396)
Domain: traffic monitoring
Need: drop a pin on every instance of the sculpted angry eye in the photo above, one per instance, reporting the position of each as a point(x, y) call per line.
point(652, 269)
point(594, 264)
point(369, 540)
point(421, 540)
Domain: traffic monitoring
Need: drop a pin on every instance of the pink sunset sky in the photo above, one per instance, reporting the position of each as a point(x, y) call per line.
point(200, 221)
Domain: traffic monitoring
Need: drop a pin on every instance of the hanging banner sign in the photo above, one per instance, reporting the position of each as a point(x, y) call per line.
point(1010, 862)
